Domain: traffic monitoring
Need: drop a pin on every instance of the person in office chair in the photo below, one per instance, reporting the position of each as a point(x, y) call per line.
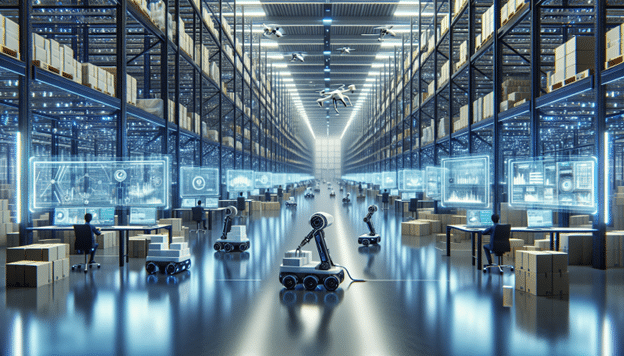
point(490, 231)
point(94, 231)
point(385, 198)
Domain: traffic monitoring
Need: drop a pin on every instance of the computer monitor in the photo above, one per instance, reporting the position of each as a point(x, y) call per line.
point(75, 216)
point(211, 203)
point(479, 218)
point(394, 192)
point(539, 218)
point(189, 202)
point(142, 216)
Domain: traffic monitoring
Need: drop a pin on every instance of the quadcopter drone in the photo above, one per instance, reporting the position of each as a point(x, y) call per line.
point(383, 31)
point(271, 30)
point(336, 95)
point(297, 57)
point(345, 50)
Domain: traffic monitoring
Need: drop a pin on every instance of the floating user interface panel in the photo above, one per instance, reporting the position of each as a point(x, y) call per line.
point(75, 216)
point(99, 183)
point(413, 180)
point(375, 178)
point(198, 181)
point(240, 180)
point(466, 182)
point(279, 179)
point(262, 180)
point(568, 184)
point(433, 182)
point(388, 180)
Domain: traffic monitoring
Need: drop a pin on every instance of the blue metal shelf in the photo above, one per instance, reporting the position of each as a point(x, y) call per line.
point(12, 65)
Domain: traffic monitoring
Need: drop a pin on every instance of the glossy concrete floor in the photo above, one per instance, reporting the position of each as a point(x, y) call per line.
point(415, 301)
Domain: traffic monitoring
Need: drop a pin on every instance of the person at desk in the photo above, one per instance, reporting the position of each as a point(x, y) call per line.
point(240, 202)
point(267, 195)
point(280, 193)
point(94, 231)
point(198, 211)
point(490, 231)
point(385, 198)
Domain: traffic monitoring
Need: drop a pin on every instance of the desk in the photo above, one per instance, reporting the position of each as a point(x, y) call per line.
point(473, 231)
point(554, 232)
point(123, 235)
point(206, 210)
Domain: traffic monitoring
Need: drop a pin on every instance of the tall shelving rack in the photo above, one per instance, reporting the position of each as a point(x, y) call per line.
point(239, 98)
point(584, 117)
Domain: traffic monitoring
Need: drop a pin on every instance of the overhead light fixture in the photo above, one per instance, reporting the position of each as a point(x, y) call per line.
point(373, 72)
point(254, 13)
point(390, 44)
point(287, 80)
point(410, 13)
point(275, 56)
point(326, 53)
point(280, 65)
point(370, 80)
point(378, 65)
point(327, 21)
point(248, 2)
point(285, 74)
point(368, 85)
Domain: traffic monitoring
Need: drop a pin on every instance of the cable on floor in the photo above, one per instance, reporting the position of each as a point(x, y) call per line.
point(349, 274)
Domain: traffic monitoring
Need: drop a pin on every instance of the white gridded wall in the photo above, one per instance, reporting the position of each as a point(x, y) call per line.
point(328, 160)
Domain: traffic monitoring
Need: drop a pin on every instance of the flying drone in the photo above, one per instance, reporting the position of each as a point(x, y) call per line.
point(345, 50)
point(297, 57)
point(271, 30)
point(383, 31)
point(336, 95)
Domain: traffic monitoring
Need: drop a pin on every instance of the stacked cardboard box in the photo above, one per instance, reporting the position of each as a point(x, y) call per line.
point(614, 45)
point(271, 206)
point(579, 220)
point(108, 239)
point(415, 228)
point(572, 58)
point(36, 265)
point(542, 272)
point(514, 90)
point(463, 55)
point(6, 226)
point(477, 110)
point(615, 249)
point(444, 74)
point(458, 5)
point(462, 121)
point(160, 250)
point(487, 24)
point(578, 247)
point(444, 25)
point(176, 225)
point(9, 37)
point(137, 245)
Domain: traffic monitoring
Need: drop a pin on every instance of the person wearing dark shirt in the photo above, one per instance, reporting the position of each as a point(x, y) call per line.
point(94, 231)
point(198, 211)
point(240, 202)
point(267, 195)
point(490, 231)
point(385, 198)
point(280, 193)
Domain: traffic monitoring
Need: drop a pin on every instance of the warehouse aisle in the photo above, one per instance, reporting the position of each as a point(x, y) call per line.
point(415, 301)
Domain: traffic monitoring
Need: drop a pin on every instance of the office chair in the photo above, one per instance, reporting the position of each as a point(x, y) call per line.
point(500, 240)
point(198, 217)
point(84, 244)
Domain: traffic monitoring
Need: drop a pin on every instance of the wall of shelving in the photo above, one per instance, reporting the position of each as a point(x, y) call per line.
point(494, 77)
point(136, 80)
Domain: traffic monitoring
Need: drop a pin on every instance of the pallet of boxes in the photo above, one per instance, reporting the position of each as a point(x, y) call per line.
point(138, 243)
point(542, 273)
point(36, 265)
point(574, 60)
point(270, 206)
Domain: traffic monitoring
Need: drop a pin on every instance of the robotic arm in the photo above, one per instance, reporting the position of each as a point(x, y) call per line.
point(230, 213)
point(319, 221)
point(368, 219)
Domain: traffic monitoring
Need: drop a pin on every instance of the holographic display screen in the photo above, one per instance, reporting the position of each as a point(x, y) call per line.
point(198, 181)
point(240, 180)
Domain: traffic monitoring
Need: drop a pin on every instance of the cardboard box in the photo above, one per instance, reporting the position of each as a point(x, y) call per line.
point(559, 262)
point(520, 279)
point(57, 270)
point(539, 283)
point(519, 260)
point(560, 284)
point(37, 273)
point(14, 254)
point(15, 274)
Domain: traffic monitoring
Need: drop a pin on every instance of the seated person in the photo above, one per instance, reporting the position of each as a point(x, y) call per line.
point(198, 211)
point(385, 198)
point(490, 231)
point(240, 202)
point(94, 231)
point(267, 195)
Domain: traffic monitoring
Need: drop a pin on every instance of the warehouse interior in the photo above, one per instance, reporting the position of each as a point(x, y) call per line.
point(377, 137)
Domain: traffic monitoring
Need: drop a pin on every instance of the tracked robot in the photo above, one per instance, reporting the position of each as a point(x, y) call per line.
point(372, 237)
point(165, 257)
point(291, 202)
point(346, 200)
point(332, 193)
point(298, 268)
point(237, 234)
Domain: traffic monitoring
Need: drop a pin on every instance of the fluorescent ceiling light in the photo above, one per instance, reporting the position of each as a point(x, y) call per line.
point(409, 13)
point(275, 56)
point(254, 13)
point(384, 55)
point(378, 65)
point(390, 44)
point(252, 2)
point(367, 85)
point(373, 72)
point(291, 84)
point(287, 80)
point(268, 44)
point(285, 74)
point(370, 79)
point(280, 65)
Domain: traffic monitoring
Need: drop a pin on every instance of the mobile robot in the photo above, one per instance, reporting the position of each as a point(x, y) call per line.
point(332, 194)
point(346, 199)
point(298, 267)
point(165, 257)
point(372, 237)
point(238, 238)
point(308, 194)
point(291, 202)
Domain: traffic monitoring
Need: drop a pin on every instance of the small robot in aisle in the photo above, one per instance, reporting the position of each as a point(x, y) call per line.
point(237, 234)
point(308, 194)
point(372, 237)
point(332, 194)
point(165, 257)
point(297, 266)
point(346, 200)
point(291, 202)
